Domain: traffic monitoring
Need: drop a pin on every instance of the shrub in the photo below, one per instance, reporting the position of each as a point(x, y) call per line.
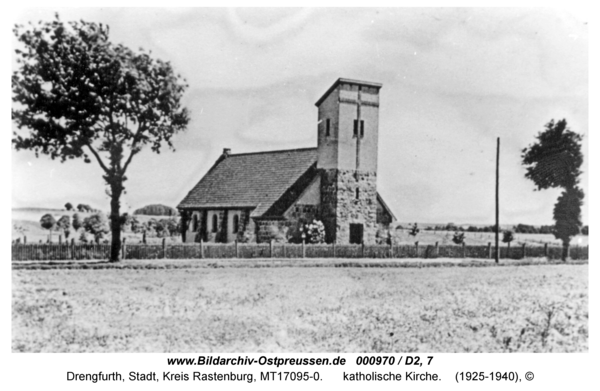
point(314, 232)
point(278, 234)
point(414, 230)
point(459, 237)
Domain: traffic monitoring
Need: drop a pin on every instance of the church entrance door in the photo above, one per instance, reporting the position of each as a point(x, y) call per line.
point(356, 233)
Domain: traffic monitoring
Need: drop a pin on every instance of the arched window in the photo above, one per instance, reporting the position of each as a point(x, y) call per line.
point(236, 223)
point(195, 223)
point(215, 227)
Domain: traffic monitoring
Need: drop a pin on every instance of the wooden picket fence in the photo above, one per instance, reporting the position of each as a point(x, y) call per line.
point(81, 252)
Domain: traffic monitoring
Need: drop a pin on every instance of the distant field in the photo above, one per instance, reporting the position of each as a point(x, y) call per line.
point(482, 238)
point(541, 308)
point(30, 219)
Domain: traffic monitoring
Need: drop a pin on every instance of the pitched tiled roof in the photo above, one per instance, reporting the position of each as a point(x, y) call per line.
point(250, 180)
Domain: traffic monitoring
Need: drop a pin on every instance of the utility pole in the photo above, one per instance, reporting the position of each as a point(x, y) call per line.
point(497, 200)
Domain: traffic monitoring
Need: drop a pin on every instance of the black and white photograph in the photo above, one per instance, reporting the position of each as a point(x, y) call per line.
point(299, 180)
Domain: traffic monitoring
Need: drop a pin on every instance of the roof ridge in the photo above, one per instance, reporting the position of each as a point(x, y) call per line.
point(276, 151)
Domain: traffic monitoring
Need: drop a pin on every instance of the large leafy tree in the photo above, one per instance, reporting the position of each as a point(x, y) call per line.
point(77, 95)
point(554, 161)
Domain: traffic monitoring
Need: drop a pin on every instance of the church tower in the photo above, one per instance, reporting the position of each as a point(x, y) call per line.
point(348, 128)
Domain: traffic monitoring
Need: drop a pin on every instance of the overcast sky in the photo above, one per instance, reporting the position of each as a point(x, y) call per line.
point(453, 80)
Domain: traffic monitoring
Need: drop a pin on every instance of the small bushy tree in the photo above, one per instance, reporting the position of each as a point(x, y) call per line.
point(68, 206)
point(459, 237)
point(48, 222)
point(77, 223)
point(414, 230)
point(96, 225)
point(507, 237)
point(64, 223)
point(84, 208)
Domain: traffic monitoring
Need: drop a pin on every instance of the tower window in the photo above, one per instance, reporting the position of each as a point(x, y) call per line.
point(214, 223)
point(327, 127)
point(362, 128)
point(357, 196)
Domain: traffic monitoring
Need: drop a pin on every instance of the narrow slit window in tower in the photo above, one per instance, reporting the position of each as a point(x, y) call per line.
point(362, 128)
point(327, 127)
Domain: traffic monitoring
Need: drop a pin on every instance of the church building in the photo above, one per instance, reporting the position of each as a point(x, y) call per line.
point(263, 196)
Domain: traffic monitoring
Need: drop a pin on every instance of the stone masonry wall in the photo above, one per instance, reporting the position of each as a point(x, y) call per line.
point(266, 229)
point(340, 207)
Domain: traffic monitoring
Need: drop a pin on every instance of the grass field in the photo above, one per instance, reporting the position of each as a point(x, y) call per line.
point(541, 308)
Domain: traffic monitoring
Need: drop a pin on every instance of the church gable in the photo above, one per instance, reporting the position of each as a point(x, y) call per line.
point(384, 213)
point(312, 194)
point(306, 207)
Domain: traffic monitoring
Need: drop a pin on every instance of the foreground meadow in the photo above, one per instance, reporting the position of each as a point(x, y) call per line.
point(541, 308)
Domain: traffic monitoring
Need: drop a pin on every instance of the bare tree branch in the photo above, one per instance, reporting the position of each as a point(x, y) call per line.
point(98, 158)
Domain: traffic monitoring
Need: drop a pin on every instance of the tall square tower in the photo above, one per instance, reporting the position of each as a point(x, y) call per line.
point(348, 128)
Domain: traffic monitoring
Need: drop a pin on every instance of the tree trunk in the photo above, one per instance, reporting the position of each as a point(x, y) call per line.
point(115, 221)
point(565, 252)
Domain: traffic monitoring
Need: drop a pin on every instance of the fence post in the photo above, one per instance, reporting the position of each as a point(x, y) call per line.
point(283, 248)
point(59, 239)
point(237, 254)
point(523, 250)
point(271, 248)
point(164, 248)
point(123, 250)
point(362, 249)
point(417, 249)
point(24, 239)
point(490, 250)
point(546, 249)
point(201, 249)
point(333, 246)
point(464, 250)
point(303, 249)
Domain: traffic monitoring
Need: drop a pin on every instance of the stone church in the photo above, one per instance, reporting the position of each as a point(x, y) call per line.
point(261, 196)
